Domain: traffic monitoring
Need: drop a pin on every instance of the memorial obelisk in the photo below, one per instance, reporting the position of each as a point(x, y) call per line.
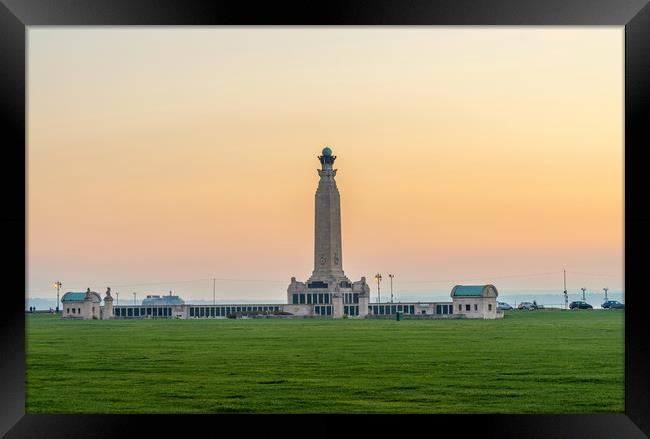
point(328, 255)
point(328, 291)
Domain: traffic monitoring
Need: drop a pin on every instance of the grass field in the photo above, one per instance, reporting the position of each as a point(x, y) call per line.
point(528, 362)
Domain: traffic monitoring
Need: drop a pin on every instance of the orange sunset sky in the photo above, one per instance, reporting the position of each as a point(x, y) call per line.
point(465, 155)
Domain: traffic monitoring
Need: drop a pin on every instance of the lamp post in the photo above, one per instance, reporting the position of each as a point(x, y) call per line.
point(58, 286)
point(118, 297)
point(391, 276)
point(583, 293)
point(378, 277)
point(134, 298)
point(566, 296)
point(605, 293)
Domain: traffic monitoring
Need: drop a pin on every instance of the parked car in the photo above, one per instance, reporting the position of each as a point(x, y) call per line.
point(527, 305)
point(612, 304)
point(503, 306)
point(580, 304)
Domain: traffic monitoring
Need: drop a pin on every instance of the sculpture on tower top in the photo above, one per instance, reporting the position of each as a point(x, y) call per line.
point(327, 158)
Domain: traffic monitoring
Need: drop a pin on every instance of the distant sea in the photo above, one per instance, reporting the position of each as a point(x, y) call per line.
point(554, 300)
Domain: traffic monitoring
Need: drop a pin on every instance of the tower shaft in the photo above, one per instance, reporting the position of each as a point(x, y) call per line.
point(328, 254)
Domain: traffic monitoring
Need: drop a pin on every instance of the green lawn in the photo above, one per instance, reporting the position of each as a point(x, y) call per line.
point(528, 362)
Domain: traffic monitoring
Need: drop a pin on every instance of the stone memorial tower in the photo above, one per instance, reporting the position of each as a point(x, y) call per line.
point(328, 255)
point(328, 277)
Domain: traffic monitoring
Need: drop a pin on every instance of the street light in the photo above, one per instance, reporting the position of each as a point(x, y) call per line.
point(134, 298)
point(118, 297)
point(566, 295)
point(605, 293)
point(391, 287)
point(378, 277)
point(583, 293)
point(58, 286)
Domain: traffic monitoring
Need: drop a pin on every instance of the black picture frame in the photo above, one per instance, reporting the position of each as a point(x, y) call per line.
point(16, 15)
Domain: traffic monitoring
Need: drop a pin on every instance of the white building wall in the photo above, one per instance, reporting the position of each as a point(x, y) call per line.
point(479, 307)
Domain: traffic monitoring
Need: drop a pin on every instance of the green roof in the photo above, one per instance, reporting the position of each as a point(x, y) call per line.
point(73, 296)
point(469, 290)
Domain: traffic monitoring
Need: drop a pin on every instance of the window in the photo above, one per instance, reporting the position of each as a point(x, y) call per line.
point(78, 310)
point(489, 307)
point(73, 311)
point(475, 307)
point(130, 312)
point(355, 297)
point(295, 299)
point(309, 298)
point(460, 307)
point(302, 298)
point(467, 307)
point(451, 309)
point(191, 312)
point(67, 310)
point(439, 309)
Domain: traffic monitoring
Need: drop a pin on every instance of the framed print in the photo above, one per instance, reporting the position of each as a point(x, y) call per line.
point(185, 178)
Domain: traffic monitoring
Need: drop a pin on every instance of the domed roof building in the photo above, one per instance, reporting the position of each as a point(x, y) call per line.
point(81, 305)
point(476, 301)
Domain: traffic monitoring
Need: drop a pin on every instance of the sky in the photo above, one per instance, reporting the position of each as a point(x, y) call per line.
point(161, 158)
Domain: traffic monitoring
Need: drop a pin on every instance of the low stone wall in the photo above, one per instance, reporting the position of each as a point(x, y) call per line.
point(417, 316)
